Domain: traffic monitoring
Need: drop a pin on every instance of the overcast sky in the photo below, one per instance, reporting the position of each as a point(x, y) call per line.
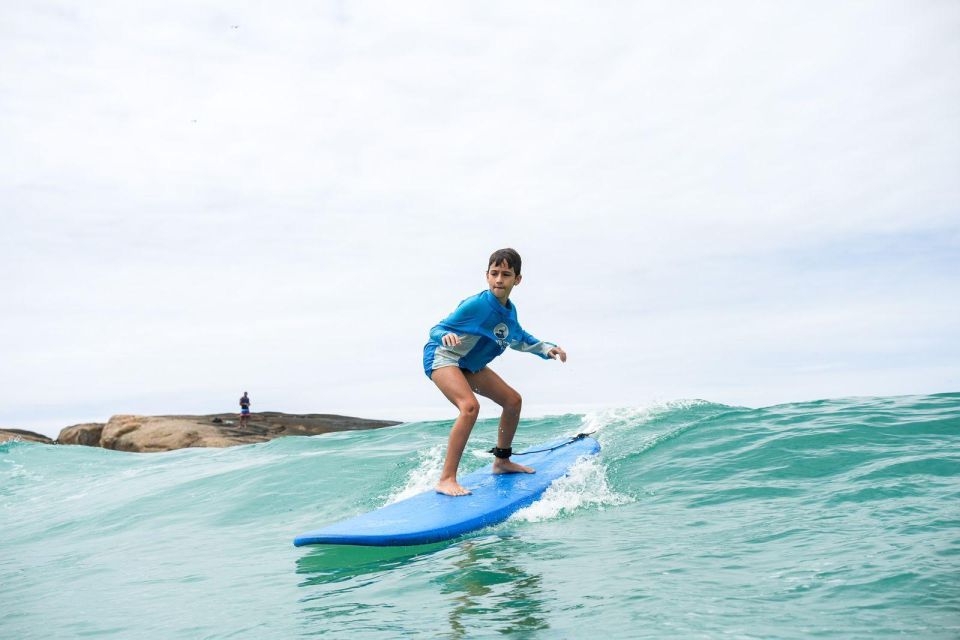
point(745, 202)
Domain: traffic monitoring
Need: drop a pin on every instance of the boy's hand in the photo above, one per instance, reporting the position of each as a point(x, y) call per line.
point(557, 354)
point(450, 340)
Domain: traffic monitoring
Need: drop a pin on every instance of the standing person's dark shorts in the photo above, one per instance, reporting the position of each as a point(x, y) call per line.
point(244, 408)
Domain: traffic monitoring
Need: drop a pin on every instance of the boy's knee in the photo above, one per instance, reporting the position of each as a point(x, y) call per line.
point(470, 408)
point(514, 403)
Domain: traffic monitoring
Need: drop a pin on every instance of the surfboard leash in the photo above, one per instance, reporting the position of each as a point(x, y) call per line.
point(579, 436)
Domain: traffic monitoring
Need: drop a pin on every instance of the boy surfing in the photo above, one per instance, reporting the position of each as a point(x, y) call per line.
point(456, 358)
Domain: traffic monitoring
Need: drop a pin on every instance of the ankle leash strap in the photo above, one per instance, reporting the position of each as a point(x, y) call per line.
point(506, 453)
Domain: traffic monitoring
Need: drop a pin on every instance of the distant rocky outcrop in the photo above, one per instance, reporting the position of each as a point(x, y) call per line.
point(165, 433)
point(87, 434)
point(19, 434)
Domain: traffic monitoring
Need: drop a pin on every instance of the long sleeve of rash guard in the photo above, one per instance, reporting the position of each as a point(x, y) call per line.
point(528, 344)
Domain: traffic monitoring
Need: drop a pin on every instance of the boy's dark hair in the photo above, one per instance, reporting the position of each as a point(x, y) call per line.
point(510, 256)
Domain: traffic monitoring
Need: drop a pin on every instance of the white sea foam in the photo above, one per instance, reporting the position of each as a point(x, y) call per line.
point(422, 477)
point(631, 416)
point(585, 485)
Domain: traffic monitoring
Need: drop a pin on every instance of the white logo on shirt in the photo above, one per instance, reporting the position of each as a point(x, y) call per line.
point(501, 331)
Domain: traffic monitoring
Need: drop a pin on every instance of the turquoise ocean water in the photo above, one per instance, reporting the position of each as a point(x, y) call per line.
point(828, 519)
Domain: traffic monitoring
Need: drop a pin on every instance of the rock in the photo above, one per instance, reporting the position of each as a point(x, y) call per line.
point(27, 436)
point(147, 434)
point(164, 433)
point(87, 434)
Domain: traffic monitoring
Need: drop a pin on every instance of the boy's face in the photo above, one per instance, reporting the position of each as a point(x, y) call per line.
point(501, 279)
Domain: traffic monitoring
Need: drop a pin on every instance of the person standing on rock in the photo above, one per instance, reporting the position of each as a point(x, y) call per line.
point(244, 409)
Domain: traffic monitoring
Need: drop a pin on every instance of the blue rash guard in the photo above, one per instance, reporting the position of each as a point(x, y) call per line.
point(486, 328)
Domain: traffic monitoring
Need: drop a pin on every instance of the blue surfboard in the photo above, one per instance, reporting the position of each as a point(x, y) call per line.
point(432, 517)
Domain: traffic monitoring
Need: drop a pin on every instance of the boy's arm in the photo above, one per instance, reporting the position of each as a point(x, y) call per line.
point(437, 333)
point(466, 318)
point(529, 344)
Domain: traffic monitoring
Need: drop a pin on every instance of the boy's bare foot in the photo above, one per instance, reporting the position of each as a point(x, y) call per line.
point(451, 488)
point(505, 466)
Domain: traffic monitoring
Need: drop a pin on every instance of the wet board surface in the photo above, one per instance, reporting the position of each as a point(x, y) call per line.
point(432, 517)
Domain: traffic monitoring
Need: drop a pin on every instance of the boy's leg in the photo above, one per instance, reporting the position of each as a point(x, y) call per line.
point(453, 384)
point(488, 384)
